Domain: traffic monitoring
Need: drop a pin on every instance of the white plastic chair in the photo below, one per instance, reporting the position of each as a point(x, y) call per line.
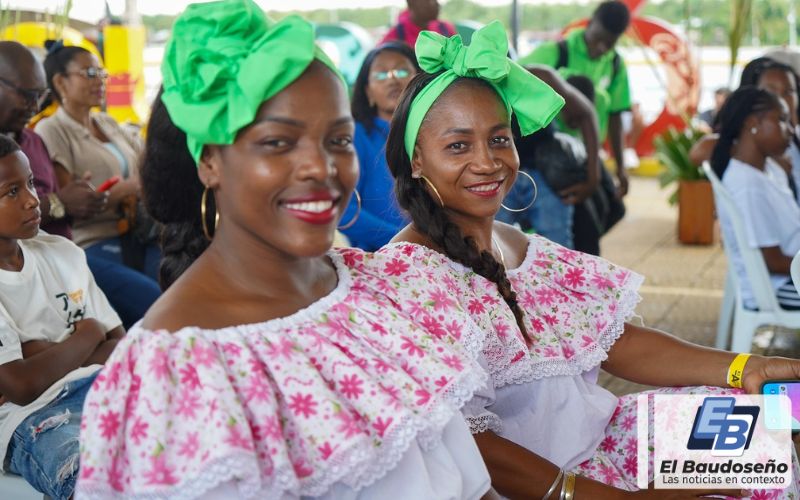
point(14, 487)
point(733, 313)
point(795, 271)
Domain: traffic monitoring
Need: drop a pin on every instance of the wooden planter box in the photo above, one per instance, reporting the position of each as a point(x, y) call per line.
point(695, 213)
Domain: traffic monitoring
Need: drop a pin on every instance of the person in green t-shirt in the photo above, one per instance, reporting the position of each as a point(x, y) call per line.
point(590, 52)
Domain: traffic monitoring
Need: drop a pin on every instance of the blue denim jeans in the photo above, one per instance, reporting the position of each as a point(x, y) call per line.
point(44, 448)
point(548, 216)
point(129, 292)
point(111, 250)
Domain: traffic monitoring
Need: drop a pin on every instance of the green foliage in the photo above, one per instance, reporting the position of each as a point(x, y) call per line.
point(672, 150)
point(533, 17)
point(708, 22)
point(5, 16)
point(366, 18)
point(740, 19)
point(158, 22)
point(62, 18)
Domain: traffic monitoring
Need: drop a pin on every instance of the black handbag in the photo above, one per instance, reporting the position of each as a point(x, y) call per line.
point(603, 206)
point(561, 159)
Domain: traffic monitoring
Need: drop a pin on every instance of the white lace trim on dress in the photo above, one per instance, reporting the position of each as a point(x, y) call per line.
point(483, 423)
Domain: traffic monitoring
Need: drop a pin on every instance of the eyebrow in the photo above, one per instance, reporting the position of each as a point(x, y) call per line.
point(297, 123)
point(11, 182)
point(458, 131)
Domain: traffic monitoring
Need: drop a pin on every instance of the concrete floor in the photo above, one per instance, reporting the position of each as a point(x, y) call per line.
point(684, 284)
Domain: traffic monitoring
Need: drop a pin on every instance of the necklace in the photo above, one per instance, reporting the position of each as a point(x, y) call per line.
point(500, 251)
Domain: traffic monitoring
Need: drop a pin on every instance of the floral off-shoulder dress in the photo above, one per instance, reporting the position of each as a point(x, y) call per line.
point(544, 396)
point(347, 398)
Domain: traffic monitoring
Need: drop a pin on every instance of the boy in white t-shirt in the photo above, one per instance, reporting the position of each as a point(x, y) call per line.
point(56, 329)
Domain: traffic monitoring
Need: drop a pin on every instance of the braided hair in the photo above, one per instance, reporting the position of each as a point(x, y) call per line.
point(172, 193)
point(744, 102)
point(428, 216)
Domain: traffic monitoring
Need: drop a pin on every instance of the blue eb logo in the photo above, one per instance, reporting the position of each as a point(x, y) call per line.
point(723, 427)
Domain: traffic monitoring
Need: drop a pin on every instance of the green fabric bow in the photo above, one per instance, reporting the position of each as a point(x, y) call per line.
point(223, 60)
point(533, 102)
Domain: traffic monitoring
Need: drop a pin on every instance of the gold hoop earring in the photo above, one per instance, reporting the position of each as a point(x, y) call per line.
point(433, 188)
point(203, 219)
point(355, 217)
point(535, 194)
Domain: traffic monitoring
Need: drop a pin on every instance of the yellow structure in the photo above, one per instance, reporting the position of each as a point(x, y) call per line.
point(124, 50)
point(649, 166)
point(124, 61)
point(34, 35)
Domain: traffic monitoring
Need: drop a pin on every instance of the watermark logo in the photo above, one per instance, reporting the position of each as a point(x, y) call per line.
point(723, 428)
point(721, 441)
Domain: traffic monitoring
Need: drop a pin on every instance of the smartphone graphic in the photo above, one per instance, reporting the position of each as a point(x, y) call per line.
point(776, 417)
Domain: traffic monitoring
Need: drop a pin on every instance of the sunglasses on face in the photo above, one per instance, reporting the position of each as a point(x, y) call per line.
point(91, 73)
point(31, 96)
point(381, 76)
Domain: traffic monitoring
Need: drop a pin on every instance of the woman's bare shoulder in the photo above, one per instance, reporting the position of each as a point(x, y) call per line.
point(511, 235)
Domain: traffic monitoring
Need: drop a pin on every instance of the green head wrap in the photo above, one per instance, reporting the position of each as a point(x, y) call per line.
point(223, 60)
point(532, 101)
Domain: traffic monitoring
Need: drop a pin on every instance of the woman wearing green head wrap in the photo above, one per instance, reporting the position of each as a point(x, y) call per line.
point(551, 316)
point(270, 368)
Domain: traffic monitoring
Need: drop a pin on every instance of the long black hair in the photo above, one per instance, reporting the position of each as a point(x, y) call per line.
point(429, 217)
point(58, 58)
point(172, 193)
point(362, 111)
point(745, 101)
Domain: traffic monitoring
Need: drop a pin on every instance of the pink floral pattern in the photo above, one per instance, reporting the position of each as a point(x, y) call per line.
point(575, 307)
point(333, 393)
point(615, 460)
point(575, 304)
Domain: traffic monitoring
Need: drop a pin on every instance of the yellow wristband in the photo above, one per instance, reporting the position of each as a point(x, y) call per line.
point(736, 370)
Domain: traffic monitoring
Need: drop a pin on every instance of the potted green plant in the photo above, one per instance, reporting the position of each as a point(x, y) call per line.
point(694, 195)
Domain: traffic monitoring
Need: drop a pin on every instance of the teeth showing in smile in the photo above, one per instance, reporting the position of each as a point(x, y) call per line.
point(485, 187)
point(311, 206)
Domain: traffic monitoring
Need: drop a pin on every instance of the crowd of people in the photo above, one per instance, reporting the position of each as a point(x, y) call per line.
point(451, 353)
point(754, 150)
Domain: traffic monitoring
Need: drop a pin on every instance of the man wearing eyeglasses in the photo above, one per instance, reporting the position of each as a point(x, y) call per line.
point(421, 15)
point(23, 89)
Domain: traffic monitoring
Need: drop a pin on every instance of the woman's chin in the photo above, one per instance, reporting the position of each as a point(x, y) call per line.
point(480, 213)
point(311, 249)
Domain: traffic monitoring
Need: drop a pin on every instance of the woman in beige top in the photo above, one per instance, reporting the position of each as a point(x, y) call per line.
point(87, 144)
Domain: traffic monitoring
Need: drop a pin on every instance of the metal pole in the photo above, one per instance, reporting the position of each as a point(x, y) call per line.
point(514, 23)
point(792, 18)
point(131, 16)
